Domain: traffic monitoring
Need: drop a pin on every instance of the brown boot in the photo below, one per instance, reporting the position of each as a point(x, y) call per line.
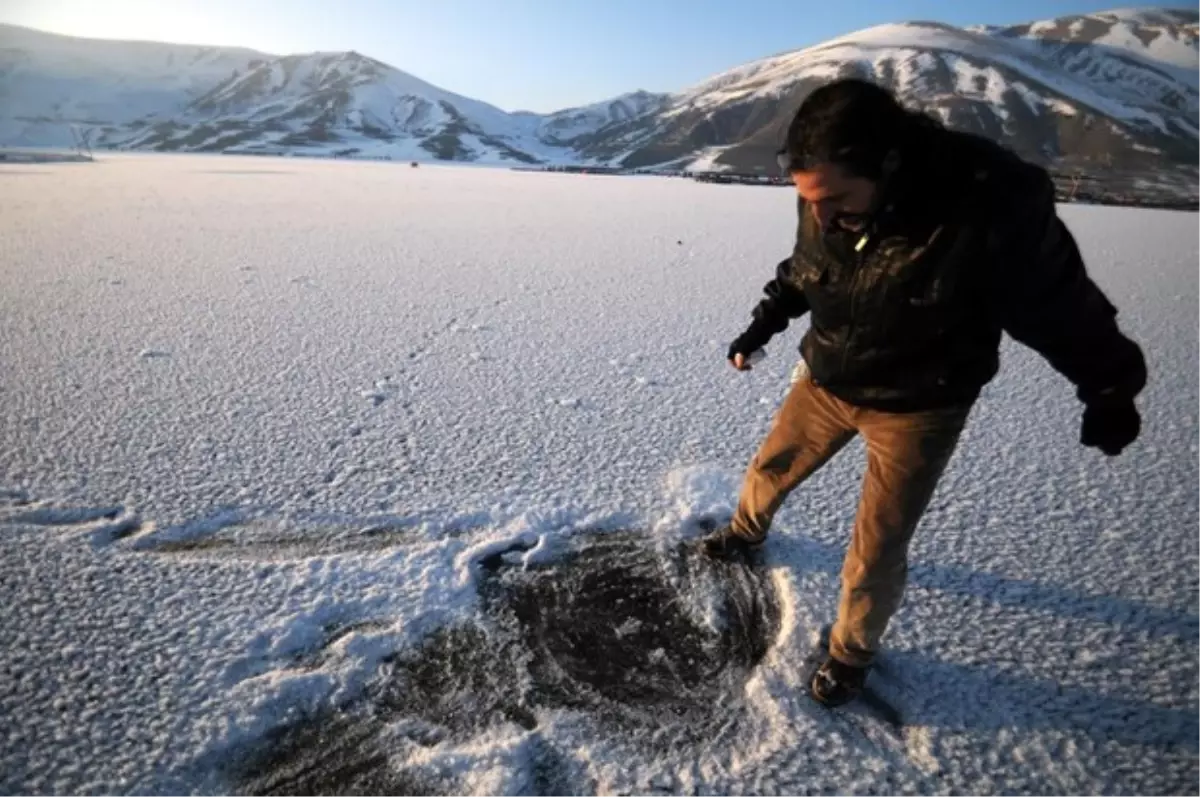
point(726, 544)
point(835, 684)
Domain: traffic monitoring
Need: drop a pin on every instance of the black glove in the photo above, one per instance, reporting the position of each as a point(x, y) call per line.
point(750, 341)
point(1110, 427)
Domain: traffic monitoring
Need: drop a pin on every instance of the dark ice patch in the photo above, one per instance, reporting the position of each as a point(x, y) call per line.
point(640, 641)
point(618, 631)
point(462, 680)
point(333, 753)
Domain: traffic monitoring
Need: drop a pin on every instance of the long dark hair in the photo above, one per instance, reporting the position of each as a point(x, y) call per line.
point(854, 124)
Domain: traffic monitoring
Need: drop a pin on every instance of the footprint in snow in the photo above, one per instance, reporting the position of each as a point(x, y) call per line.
point(383, 390)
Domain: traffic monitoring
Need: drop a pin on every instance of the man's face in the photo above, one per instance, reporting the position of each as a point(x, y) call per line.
point(835, 198)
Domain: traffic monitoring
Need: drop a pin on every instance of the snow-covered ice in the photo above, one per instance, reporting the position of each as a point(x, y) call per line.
point(321, 475)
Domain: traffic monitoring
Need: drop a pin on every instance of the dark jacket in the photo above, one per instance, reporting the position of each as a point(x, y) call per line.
point(967, 245)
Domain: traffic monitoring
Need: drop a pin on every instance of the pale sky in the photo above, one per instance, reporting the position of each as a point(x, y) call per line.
point(539, 55)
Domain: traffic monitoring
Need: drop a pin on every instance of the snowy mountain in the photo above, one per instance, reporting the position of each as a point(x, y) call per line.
point(172, 97)
point(48, 82)
point(344, 100)
point(570, 125)
point(1117, 87)
point(1140, 52)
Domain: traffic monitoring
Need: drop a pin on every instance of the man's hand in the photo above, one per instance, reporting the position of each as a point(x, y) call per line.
point(746, 362)
point(1110, 427)
point(746, 349)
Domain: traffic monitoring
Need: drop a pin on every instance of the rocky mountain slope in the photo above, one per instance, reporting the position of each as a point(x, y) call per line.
point(1115, 88)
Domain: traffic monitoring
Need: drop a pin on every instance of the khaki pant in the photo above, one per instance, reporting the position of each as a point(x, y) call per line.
point(906, 455)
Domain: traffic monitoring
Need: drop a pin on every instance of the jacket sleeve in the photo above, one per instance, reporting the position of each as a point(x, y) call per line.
point(784, 301)
point(1046, 300)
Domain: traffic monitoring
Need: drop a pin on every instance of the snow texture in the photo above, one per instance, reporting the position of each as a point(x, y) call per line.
point(377, 477)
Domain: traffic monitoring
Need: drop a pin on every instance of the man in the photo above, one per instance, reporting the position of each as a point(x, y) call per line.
point(917, 247)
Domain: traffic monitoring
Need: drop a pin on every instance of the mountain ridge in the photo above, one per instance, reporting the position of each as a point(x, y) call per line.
point(1111, 87)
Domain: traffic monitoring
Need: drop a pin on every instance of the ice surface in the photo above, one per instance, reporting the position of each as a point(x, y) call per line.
point(326, 462)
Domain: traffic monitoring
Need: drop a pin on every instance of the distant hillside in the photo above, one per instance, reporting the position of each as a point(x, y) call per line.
point(1113, 89)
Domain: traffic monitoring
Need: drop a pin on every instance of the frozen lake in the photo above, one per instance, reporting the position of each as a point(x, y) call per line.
point(322, 475)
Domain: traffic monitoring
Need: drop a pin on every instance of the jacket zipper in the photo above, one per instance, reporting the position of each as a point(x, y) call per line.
point(859, 259)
